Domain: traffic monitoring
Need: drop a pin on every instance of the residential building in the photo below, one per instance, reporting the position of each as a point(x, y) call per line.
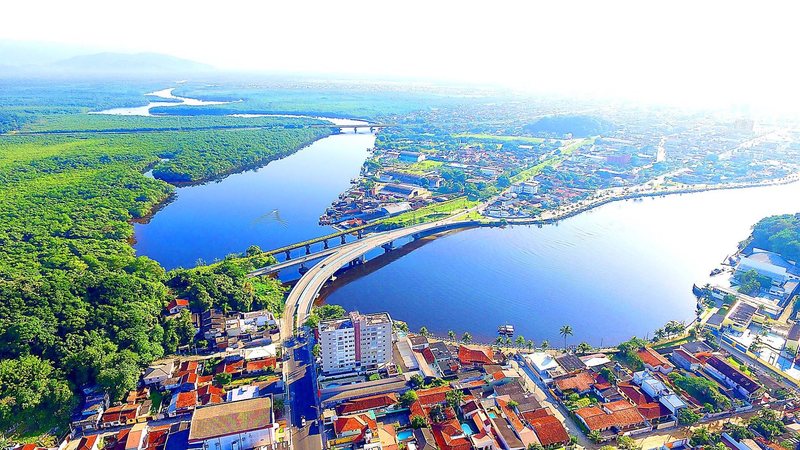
point(685, 360)
point(612, 419)
point(550, 431)
point(244, 425)
point(158, 373)
point(355, 343)
point(177, 305)
point(475, 355)
point(654, 361)
point(740, 316)
point(733, 378)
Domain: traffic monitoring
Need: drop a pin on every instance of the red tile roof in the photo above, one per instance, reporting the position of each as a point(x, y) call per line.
point(652, 411)
point(367, 403)
point(432, 396)
point(475, 355)
point(550, 431)
point(530, 416)
point(622, 415)
point(580, 382)
point(178, 302)
point(428, 355)
point(189, 366)
point(209, 394)
point(122, 413)
point(633, 393)
point(358, 422)
point(450, 436)
point(87, 442)
point(260, 365)
point(652, 358)
point(186, 400)
point(157, 437)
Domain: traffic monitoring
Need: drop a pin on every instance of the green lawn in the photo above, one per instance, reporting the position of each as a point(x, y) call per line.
point(429, 212)
point(156, 398)
point(554, 161)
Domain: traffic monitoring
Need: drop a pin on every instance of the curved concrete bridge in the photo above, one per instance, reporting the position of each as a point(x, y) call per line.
point(305, 291)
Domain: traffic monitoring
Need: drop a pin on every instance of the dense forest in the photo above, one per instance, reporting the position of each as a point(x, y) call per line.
point(77, 306)
point(779, 234)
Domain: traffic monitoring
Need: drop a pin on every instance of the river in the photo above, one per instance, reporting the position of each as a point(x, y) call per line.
point(622, 269)
point(619, 270)
point(272, 206)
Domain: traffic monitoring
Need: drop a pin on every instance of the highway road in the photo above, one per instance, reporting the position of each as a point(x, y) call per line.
point(305, 291)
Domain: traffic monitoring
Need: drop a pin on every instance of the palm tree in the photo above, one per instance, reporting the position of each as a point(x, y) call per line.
point(529, 344)
point(466, 338)
point(565, 331)
point(499, 341)
point(452, 335)
point(424, 331)
point(584, 347)
point(545, 344)
point(507, 341)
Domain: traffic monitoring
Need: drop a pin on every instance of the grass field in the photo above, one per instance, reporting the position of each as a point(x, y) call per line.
point(429, 213)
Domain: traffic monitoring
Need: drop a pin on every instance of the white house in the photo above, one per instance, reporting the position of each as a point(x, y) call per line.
point(158, 373)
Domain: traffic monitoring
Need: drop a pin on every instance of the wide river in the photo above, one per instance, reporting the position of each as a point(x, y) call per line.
point(620, 270)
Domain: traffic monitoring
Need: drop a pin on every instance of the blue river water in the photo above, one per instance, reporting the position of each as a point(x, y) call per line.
point(620, 270)
point(275, 205)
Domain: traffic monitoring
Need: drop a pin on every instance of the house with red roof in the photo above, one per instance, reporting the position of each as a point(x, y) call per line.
point(433, 396)
point(209, 395)
point(177, 305)
point(120, 415)
point(550, 431)
point(450, 436)
point(182, 403)
point(474, 355)
point(654, 361)
point(376, 403)
point(612, 419)
point(260, 366)
point(355, 429)
point(88, 442)
point(580, 383)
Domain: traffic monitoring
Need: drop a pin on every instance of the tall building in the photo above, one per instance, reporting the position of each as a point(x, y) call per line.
point(355, 343)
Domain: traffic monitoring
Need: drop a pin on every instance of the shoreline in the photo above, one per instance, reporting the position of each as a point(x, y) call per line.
point(631, 196)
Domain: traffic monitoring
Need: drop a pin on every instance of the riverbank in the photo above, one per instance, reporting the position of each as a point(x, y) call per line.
point(578, 208)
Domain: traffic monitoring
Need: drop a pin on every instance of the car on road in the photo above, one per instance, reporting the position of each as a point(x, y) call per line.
point(302, 421)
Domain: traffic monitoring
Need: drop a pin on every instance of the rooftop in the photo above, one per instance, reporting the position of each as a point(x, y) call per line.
point(230, 418)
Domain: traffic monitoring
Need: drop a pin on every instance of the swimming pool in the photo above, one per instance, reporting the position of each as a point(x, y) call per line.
point(405, 435)
point(467, 429)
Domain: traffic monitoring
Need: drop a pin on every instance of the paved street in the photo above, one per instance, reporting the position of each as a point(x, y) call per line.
point(302, 401)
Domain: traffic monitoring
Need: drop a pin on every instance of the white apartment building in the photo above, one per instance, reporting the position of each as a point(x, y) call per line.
point(359, 342)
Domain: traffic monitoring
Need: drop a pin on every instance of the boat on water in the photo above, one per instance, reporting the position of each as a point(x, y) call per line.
point(506, 330)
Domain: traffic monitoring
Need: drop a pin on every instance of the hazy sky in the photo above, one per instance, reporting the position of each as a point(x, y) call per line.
point(693, 52)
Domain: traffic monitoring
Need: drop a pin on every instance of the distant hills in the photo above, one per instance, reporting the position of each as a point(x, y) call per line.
point(578, 126)
point(122, 63)
point(36, 58)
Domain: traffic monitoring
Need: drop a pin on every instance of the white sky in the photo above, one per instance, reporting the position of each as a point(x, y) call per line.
point(687, 52)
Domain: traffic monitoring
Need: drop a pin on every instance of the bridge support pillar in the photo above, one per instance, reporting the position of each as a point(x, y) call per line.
point(288, 255)
point(343, 240)
point(360, 234)
point(308, 249)
point(371, 129)
point(387, 247)
point(355, 130)
point(325, 244)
